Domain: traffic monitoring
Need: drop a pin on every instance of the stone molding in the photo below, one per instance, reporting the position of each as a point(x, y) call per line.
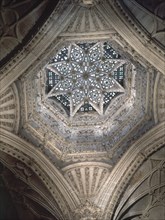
point(159, 98)
point(65, 137)
point(149, 18)
point(33, 51)
point(49, 175)
point(145, 190)
point(87, 211)
point(151, 142)
point(46, 36)
point(26, 188)
point(16, 22)
point(114, 185)
point(10, 109)
point(112, 13)
point(87, 178)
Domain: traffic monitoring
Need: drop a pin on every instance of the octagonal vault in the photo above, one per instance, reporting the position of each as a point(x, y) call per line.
point(86, 93)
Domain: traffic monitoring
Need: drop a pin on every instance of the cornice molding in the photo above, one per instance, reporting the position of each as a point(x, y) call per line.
point(152, 24)
point(116, 182)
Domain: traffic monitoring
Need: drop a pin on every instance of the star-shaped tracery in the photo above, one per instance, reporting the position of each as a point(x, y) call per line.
point(85, 76)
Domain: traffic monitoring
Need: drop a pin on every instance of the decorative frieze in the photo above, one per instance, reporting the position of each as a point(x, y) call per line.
point(159, 101)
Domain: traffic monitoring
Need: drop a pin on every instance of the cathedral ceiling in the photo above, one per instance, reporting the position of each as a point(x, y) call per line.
point(19, 21)
point(25, 191)
point(156, 7)
point(70, 136)
point(89, 189)
point(145, 194)
point(79, 104)
point(149, 14)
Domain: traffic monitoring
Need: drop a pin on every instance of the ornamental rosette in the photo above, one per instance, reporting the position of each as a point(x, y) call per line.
point(85, 77)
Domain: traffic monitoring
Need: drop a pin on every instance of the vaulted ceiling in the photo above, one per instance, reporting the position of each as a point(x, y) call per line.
point(68, 163)
point(150, 14)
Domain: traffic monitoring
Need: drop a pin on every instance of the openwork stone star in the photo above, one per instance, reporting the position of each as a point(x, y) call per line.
point(83, 74)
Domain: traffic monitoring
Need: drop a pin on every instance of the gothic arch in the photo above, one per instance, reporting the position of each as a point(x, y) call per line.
point(47, 173)
point(54, 29)
point(149, 143)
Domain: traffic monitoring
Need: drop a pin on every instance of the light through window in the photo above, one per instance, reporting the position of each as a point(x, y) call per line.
point(85, 77)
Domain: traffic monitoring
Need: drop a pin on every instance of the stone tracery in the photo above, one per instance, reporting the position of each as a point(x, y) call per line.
point(88, 136)
point(85, 76)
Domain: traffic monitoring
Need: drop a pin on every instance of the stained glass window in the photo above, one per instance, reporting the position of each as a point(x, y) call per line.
point(85, 77)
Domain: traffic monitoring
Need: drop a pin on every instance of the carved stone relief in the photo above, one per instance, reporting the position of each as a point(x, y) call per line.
point(29, 171)
point(87, 211)
point(144, 198)
point(28, 193)
point(10, 109)
point(86, 148)
point(159, 102)
point(85, 132)
point(87, 2)
point(16, 20)
point(156, 7)
point(86, 178)
point(151, 16)
point(88, 19)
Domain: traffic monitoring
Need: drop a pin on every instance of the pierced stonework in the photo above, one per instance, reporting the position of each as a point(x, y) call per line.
point(85, 77)
point(87, 131)
point(85, 116)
